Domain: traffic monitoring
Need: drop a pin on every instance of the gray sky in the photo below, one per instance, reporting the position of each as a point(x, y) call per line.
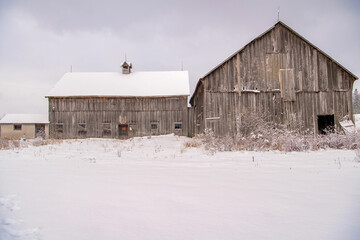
point(40, 39)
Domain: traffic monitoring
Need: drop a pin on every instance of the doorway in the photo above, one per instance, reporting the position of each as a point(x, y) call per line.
point(326, 123)
point(123, 130)
point(40, 131)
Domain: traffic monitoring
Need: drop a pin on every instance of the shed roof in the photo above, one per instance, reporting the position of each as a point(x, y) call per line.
point(25, 118)
point(116, 84)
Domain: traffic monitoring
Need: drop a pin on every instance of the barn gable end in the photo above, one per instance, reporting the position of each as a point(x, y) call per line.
point(280, 74)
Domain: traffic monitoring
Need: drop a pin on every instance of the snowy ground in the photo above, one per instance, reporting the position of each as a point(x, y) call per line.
point(155, 189)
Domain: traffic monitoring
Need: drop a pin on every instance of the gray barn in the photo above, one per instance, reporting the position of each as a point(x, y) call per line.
point(119, 105)
point(280, 74)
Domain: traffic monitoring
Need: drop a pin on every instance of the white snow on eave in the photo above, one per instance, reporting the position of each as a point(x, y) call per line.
point(116, 84)
point(24, 118)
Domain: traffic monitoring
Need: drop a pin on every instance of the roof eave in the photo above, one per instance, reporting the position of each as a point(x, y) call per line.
point(117, 96)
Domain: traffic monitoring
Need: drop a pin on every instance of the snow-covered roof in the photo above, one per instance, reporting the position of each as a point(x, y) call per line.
point(25, 118)
point(114, 84)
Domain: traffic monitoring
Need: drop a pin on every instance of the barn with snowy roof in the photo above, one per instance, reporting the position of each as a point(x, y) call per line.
point(119, 104)
point(280, 77)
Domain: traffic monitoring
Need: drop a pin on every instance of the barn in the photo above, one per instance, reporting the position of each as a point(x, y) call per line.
point(16, 126)
point(280, 76)
point(119, 104)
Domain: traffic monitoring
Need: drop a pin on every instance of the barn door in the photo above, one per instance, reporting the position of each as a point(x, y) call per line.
point(287, 84)
point(326, 123)
point(123, 130)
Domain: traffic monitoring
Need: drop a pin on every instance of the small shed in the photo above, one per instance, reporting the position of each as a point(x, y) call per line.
point(15, 126)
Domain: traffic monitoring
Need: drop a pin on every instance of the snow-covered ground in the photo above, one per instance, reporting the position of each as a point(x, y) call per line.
point(156, 189)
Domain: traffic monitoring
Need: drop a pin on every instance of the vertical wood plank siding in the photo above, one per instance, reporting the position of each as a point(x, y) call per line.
point(249, 81)
point(108, 113)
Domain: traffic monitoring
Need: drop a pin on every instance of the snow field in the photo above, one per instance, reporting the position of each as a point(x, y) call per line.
point(155, 188)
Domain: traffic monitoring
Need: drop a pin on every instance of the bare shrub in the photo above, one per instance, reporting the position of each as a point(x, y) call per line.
point(14, 144)
point(263, 135)
point(9, 144)
point(4, 144)
point(53, 141)
point(193, 143)
point(39, 142)
point(209, 140)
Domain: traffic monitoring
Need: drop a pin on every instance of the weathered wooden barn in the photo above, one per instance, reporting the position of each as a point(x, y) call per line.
point(119, 104)
point(279, 75)
point(16, 126)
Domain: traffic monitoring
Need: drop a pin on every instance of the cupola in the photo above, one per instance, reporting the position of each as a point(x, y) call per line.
point(126, 67)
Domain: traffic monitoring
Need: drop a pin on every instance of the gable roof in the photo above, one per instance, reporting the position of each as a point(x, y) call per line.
point(116, 84)
point(11, 118)
point(260, 36)
point(291, 30)
point(125, 64)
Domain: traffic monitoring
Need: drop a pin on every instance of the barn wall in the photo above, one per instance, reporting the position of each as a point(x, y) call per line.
point(279, 74)
point(191, 122)
point(101, 117)
point(8, 132)
point(199, 111)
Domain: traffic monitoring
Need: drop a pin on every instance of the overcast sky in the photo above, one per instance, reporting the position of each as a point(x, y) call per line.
point(41, 39)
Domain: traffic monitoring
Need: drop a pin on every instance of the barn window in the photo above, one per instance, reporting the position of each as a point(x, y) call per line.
point(106, 130)
point(123, 130)
point(59, 127)
point(178, 126)
point(82, 130)
point(132, 127)
point(154, 126)
point(17, 127)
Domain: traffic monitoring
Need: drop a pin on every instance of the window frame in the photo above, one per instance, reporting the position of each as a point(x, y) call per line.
point(82, 132)
point(178, 124)
point(132, 127)
point(59, 127)
point(17, 127)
